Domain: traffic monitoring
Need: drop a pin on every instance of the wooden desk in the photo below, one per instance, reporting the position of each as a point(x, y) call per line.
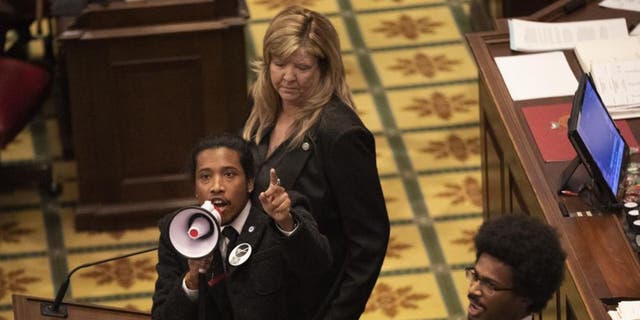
point(147, 79)
point(601, 263)
point(30, 308)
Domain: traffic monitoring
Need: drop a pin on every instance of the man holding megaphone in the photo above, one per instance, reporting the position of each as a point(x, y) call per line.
point(252, 268)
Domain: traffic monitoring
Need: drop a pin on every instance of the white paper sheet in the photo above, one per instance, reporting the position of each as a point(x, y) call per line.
point(618, 83)
point(632, 5)
point(589, 53)
point(540, 75)
point(636, 31)
point(627, 310)
point(533, 36)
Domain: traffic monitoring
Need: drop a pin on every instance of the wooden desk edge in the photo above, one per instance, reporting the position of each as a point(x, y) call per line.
point(546, 198)
point(24, 305)
point(149, 30)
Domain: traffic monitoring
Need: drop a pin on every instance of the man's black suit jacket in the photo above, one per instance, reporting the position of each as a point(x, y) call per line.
point(256, 289)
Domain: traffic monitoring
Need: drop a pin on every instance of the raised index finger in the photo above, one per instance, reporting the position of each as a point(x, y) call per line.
point(273, 177)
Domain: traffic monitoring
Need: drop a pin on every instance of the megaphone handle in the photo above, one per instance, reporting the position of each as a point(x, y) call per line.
point(202, 299)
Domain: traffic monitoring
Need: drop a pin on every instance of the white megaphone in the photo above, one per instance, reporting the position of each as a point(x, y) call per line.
point(194, 231)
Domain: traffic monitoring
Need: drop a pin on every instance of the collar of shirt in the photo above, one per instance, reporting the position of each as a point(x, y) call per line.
point(238, 224)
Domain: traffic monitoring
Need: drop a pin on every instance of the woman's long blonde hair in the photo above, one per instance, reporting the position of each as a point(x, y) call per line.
point(296, 28)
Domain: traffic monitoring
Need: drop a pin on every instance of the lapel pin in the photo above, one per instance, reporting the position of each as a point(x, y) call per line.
point(305, 146)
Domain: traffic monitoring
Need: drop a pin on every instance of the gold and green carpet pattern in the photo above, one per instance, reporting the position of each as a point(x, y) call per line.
point(415, 86)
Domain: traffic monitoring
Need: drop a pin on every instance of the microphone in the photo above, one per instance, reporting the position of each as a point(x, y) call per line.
point(57, 310)
point(193, 231)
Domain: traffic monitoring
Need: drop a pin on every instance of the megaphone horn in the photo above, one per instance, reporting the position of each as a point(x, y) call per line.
point(194, 231)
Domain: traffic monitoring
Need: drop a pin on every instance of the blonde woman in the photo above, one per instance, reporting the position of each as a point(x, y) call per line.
point(304, 125)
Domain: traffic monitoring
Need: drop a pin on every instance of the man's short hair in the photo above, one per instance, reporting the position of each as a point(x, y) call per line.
point(224, 140)
point(533, 251)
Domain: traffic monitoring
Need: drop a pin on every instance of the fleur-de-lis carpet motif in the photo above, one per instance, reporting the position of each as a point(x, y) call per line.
point(396, 247)
point(454, 146)
point(441, 105)
point(466, 239)
point(392, 300)
point(408, 27)
point(468, 190)
point(123, 272)
point(15, 281)
point(11, 231)
point(414, 85)
point(424, 64)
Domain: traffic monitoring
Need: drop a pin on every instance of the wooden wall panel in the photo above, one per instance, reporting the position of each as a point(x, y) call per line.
point(141, 97)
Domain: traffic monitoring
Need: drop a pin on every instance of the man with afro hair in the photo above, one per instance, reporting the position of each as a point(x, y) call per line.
point(519, 265)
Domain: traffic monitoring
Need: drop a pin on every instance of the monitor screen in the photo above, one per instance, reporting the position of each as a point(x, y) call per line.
point(596, 138)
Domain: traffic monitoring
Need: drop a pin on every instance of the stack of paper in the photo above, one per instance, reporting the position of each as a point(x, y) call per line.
point(609, 50)
point(618, 83)
point(602, 47)
point(627, 310)
point(633, 5)
point(532, 36)
point(614, 65)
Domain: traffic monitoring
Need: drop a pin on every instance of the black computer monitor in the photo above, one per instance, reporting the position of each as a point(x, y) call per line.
point(598, 141)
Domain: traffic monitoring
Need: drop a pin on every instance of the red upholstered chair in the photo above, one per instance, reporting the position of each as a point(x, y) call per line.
point(23, 88)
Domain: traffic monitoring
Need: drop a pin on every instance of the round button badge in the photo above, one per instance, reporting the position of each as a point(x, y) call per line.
point(240, 254)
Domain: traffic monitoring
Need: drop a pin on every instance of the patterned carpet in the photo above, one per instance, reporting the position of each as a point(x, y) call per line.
point(415, 86)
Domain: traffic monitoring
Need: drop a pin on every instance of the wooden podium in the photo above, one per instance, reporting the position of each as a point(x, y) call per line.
point(602, 266)
point(29, 308)
point(146, 80)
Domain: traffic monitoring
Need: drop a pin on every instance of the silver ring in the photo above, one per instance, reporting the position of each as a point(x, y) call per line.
point(278, 182)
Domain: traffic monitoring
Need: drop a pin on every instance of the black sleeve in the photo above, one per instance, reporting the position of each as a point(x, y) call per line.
point(307, 251)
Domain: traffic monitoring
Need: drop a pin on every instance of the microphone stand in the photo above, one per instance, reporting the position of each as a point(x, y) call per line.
point(60, 311)
point(202, 300)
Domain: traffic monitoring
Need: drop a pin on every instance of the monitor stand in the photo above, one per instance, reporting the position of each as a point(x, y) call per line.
point(588, 190)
